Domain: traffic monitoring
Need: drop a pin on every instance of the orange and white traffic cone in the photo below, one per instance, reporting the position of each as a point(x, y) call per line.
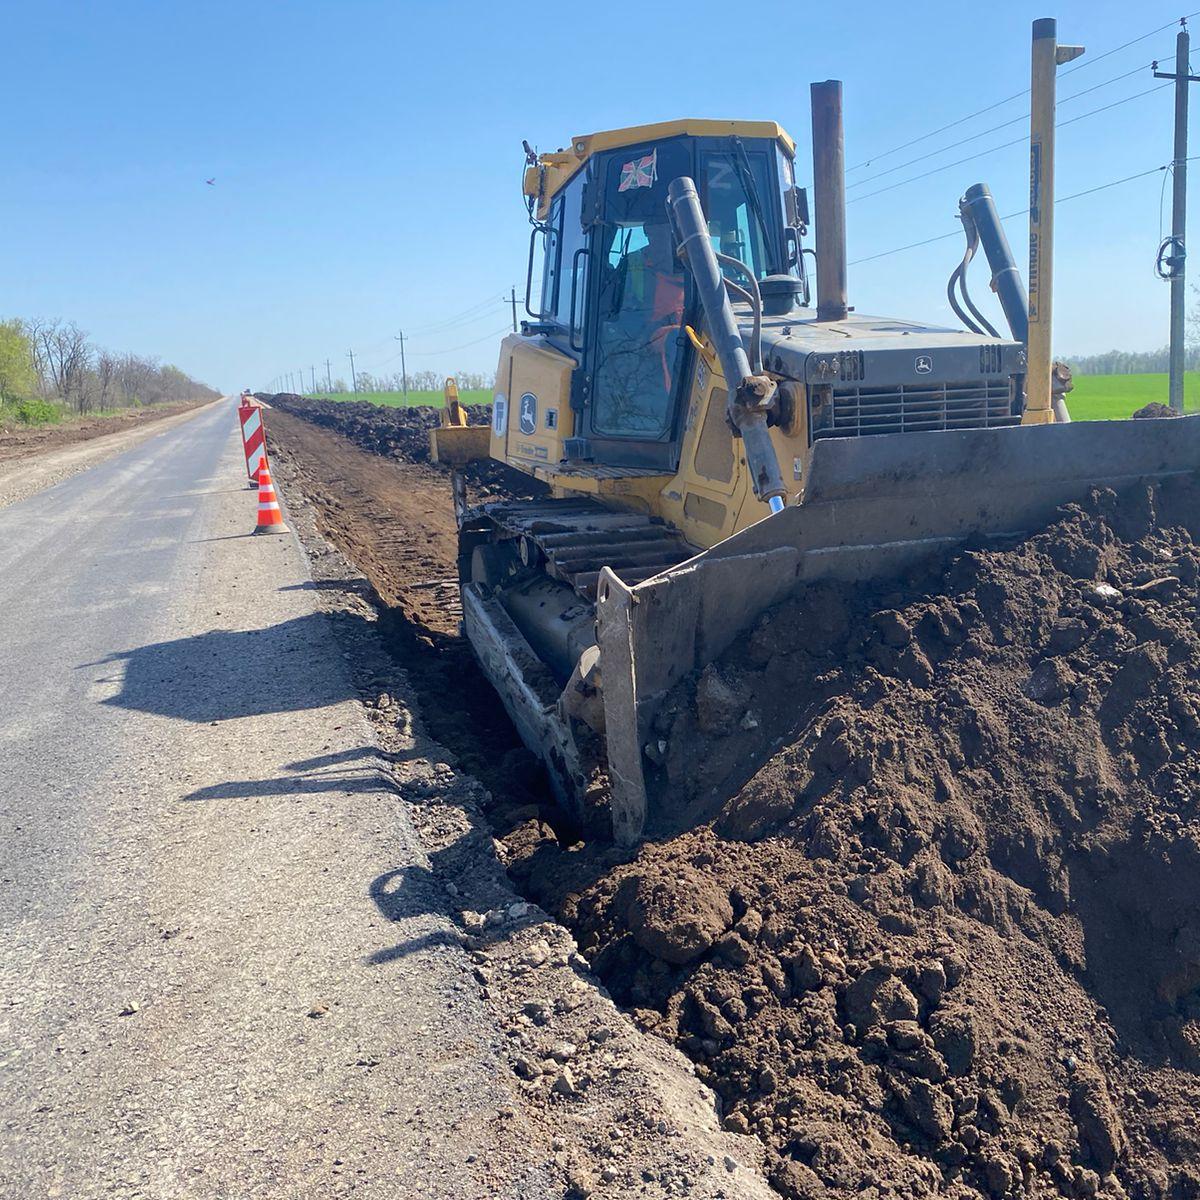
point(270, 519)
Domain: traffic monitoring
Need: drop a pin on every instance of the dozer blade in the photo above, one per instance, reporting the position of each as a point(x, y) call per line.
point(457, 445)
point(872, 507)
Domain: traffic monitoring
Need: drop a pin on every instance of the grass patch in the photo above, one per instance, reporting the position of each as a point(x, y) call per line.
point(1113, 397)
point(414, 398)
point(30, 411)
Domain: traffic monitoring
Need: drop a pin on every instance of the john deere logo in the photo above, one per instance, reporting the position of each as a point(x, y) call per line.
point(528, 413)
point(924, 364)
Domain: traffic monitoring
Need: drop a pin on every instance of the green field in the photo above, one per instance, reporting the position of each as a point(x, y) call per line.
point(1095, 397)
point(399, 400)
point(1106, 397)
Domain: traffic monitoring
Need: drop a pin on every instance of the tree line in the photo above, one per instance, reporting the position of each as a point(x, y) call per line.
point(1133, 362)
point(47, 365)
point(418, 381)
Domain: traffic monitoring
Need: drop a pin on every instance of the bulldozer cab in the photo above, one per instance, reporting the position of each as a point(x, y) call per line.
point(615, 296)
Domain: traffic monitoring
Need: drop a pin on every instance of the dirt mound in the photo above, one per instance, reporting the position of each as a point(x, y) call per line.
point(395, 432)
point(945, 938)
point(1154, 410)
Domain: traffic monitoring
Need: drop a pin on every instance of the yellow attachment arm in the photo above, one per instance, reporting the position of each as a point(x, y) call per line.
point(453, 414)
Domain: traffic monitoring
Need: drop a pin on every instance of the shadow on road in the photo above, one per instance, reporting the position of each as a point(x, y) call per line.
point(363, 779)
point(409, 892)
point(357, 586)
point(224, 673)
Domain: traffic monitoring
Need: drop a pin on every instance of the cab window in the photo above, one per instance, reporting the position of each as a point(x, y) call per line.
point(637, 350)
point(572, 261)
point(550, 244)
point(737, 193)
point(562, 264)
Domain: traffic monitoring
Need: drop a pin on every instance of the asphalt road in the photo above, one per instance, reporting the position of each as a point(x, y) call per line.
point(224, 965)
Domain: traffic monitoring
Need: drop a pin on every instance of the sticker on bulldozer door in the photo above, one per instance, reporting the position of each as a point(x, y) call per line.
point(528, 415)
point(499, 414)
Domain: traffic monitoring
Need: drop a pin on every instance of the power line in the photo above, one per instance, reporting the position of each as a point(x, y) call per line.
point(488, 314)
point(452, 349)
point(437, 326)
point(448, 350)
point(473, 315)
point(1125, 45)
point(941, 237)
point(992, 129)
point(941, 129)
point(1088, 62)
point(479, 309)
point(1003, 145)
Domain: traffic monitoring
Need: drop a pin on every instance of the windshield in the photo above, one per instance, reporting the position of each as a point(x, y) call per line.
point(735, 183)
point(640, 295)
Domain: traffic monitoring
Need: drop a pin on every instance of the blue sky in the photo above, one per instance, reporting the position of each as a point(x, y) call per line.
point(367, 159)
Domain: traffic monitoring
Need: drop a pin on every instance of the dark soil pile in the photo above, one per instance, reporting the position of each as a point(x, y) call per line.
point(394, 432)
point(1154, 411)
point(945, 938)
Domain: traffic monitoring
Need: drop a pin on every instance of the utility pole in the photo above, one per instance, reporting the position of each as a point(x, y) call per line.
point(301, 378)
point(312, 376)
point(353, 377)
point(328, 379)
point(403, 368)
point(1172, 254)
point(1047, 56)
point(512, 299)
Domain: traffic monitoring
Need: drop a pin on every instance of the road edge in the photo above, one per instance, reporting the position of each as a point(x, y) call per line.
point(37, 472)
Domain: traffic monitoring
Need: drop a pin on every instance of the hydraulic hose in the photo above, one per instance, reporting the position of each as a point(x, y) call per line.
point(977, 322)
point(754, 298)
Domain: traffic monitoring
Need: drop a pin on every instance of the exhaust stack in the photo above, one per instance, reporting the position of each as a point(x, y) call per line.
point(829, 187)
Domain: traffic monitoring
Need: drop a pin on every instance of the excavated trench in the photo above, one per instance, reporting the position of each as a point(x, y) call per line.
point(394, 520)
point(939, 929)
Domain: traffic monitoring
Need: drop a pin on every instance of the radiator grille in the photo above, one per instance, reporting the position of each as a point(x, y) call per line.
point(911, 408)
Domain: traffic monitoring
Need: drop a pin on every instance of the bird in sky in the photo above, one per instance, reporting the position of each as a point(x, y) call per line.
point(211, 182)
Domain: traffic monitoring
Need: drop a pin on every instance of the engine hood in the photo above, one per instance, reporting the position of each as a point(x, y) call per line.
point(878, 350)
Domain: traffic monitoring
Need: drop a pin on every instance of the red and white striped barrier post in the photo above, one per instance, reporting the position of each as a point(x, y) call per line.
point(254, 438)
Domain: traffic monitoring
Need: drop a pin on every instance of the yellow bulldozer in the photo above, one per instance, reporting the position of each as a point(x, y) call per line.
point(714, 436)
